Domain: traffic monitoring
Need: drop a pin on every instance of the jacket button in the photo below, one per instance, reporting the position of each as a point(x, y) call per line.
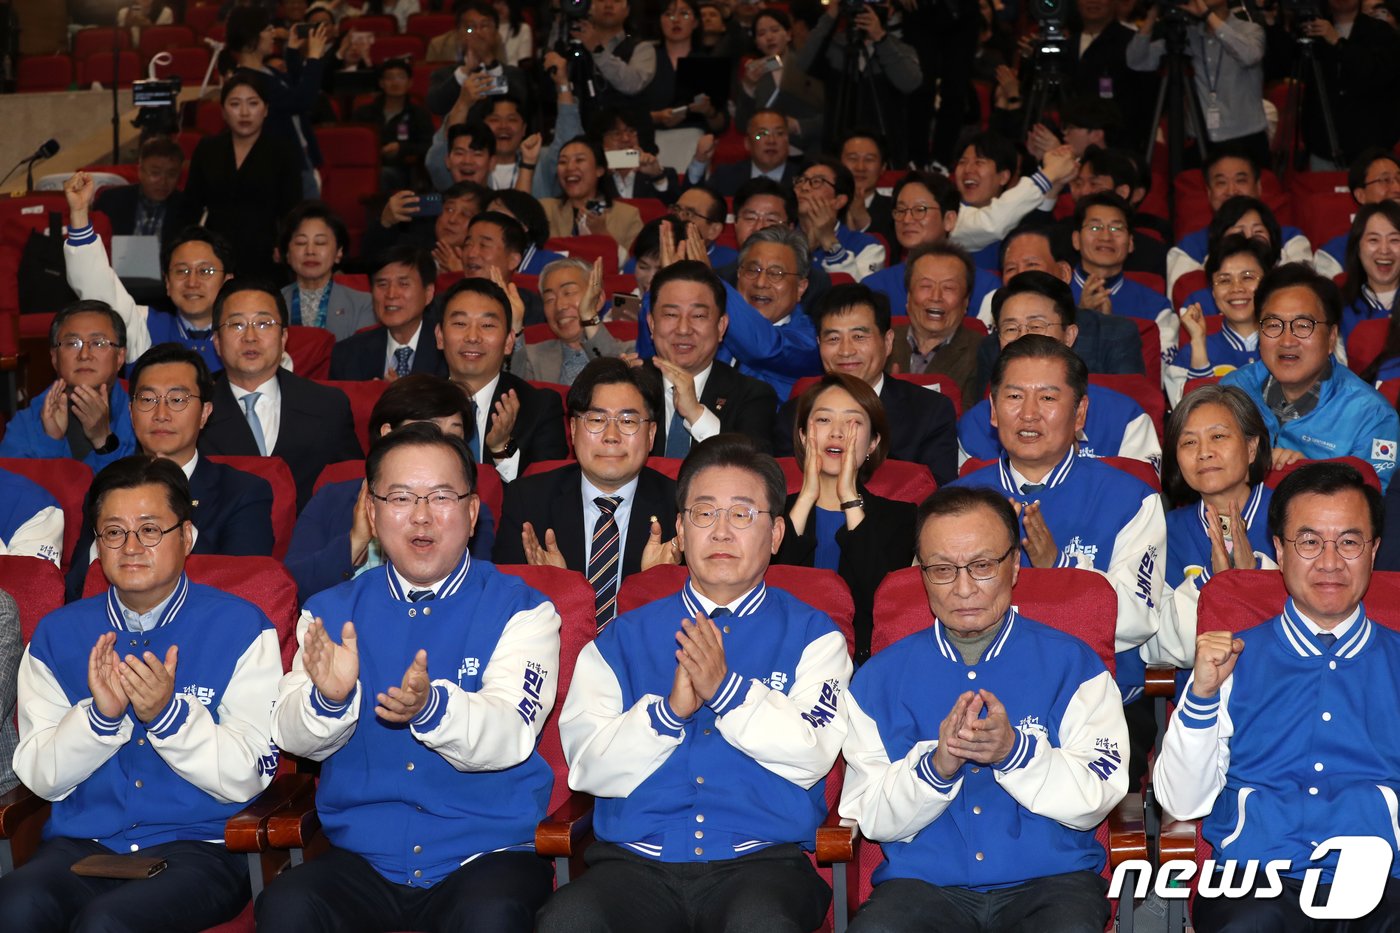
point(977, 810)
point(139, 784)
point(699, 780)
point(140, 741)
point(412, 613)
point(976, 770)
point(1326, 717)
point(427, 610)
point(971, 675)
point(418, 874)
point(699, 834)
point(699, 851)
point(726, 630)
point(699, 817)
point(1318, 766)
point(135, 847)
point(1312, 791)
point(410, 766)
point(707, 731)
point(417, 850)
point(980, 856)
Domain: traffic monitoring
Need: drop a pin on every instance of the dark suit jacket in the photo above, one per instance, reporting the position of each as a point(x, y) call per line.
point(361, 356)
point(957, 359)
point(1106, 60)
point(644, 187)
point(119, 204)
point(1107, 344)
point(553, 500)
point(923, 428)
point(539, 426)
point(742, 403)
point(726, 179)
point(882, 544)
point(316, 429)
point(443, 89)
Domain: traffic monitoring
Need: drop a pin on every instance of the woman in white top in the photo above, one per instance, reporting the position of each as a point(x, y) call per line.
point(516, 35)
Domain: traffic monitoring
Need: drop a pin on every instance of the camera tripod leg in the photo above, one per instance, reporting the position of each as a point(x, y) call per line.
point(1328, 123)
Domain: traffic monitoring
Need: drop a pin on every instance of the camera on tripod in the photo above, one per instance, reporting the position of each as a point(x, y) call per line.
point(155, 100)
point(1051, 16)
point(575, 10)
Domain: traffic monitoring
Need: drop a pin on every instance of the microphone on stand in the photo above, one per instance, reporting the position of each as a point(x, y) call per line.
point(47, 151)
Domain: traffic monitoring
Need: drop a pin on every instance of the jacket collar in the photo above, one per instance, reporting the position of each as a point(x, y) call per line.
point(747, 606)
point(172, 607)
point(1055, 477)
point(449, 586)
point(1298, 638)
point(950, 651)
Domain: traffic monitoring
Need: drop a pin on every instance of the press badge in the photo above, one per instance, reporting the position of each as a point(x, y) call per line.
point(1213, 114)
point(1105, 87)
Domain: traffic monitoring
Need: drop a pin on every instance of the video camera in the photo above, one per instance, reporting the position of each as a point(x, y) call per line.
point(156, 110)
point(575, 10)
point(1051, 15)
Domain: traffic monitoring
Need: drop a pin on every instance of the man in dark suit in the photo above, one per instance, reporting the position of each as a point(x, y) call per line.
point(516, 423)
point(401, 285)
point(1098, 67)
point(170, 392)
point(608, 515)
point(766, 140)
point(261, 409)
point(855, 338)
point(702, 398)
point(155, 205)
point(478, 33)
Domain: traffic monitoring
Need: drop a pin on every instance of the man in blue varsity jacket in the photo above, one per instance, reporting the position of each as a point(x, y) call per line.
point(706, 742)
point(144, 717)
point(425, 712)
point(1286, 736)
point(1314, 409)
point(983, 750)
point(824, 188)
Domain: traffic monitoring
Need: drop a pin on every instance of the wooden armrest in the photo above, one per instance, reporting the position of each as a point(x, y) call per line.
point(246, 830)
point(1177, 841)
point(837, 839)
point(1127, 830)
point(292, 825)
point(16, 807)
point(559, 834)
point(1161, 682)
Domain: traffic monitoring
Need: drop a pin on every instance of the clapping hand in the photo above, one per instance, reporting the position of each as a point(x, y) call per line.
point(1038, 543)
point(537, 555)
point(334, 669)
point(404, 702)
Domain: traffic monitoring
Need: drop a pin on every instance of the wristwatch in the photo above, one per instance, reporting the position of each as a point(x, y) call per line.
point(109, 446)
point(857, 503)
point(506, 452)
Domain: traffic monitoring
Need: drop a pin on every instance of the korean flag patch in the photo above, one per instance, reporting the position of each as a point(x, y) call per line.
point(1383, 450)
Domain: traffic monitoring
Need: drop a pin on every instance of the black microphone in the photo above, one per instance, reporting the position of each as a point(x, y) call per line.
point(47, 151)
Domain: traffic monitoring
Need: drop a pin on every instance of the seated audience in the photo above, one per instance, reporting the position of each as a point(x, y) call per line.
point(770, 337)
point(1313, 407)
point(587, 203)
point(1372, 265)
point(262, 409)
point(834, 521)
point(464, 662)
point(1235, 267)
point(824, 187)
point(84, 413)
point(506, 118)
point(670, 726)
point(1373, 177)
point(399, 224)
point(630, 128)
point(766, 137)
point(154, 206)
point(1238, 733)
point(187, 718)
point(478, 37)
point(991, 205)
point(938, 279)
point(31, 525)
point(525, 209)
point(405, 128)
point(706, 210)
point(665, 99)
point(1245, 216)
point(863, 154)
point(312, 244)
point(855, 339)
point(494, 248)
point(573, 307)
point(401, 289)
point(987, 799)
point(607, 515)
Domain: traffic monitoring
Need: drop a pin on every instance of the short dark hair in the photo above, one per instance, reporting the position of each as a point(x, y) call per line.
point(733, 450)
point(1114, 163)
point(1041, 347)
point(959, 500)
point(1356, 174)
point(866, 132)
point(943, 190)
point(217, 243)
point(718, 209)
point(1231, 212)
point(165, 353)
point(1323, 478)
point(139, 470)
point(244, 27)
point(479, 136)
point(989, 145)
point(1088, 112)
point(609, 370)
point(161, 147)
point(468, 189)
point(512, 231)
point(1300, 275)
point(1220, 153)
point(847, 296)
point(88, 306)
point(1251, 424)
point(251, 284)
point(524, 208)
point(402, 254)
point(243, 78)
point(1056, 240)
point(461, 9)
point(478, 286)
point(690, 270)
point(1233, 244)
point(420, 397)
point(311, 210)
point(1036, 282)
point(845, 181)
point(869, 402)
point(418, 434)
point(395, 64)
point(763, 185)
point(941, 248)
point(1102, 199)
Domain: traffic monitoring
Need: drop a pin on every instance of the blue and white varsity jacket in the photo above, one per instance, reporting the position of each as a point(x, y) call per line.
point(857, 254)
point(1133, 299)
point(464, 777)
point(988, 826)
point(25, 435)
point(779, 354)
point(747, 769)
point(1190, 252)
point(1331, 258)
point(128, 784)
point(1226, 351)
point(1351, 419)
point(1116, 426)
point(31, 520)
point(1299, 745)
point(1367, 307)
point(1106, 520)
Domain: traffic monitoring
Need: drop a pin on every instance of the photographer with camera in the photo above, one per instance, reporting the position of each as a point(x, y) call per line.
point(622, 66)
point(478, 36)
point(1227, 53)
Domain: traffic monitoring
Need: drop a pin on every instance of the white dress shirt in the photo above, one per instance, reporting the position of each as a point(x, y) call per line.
point(268, 407)
point(509, 467)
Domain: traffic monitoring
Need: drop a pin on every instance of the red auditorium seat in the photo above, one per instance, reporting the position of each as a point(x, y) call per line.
point(430, 25)
point(163, 39)
point(98, 39)
point(44, 73)
point(97, 69)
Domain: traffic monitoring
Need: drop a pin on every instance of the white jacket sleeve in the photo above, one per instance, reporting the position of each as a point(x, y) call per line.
point(40, 536)
point(1078, 781)
point(231, 760)
point(305, 723)
point(1324, 264)
point(1140, 440)
point(869, 260)
point(60, 744)
point(496, 727)
point(890, 800)
point(1195, 757)
point(979, 227)
point(1179, 262)
point(1136, 574)
point(612, 750)
point(798, 734)
point(91, 276)
point(1297, 249)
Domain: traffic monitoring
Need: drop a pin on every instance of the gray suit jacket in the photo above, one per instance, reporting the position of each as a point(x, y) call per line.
point(543, 362)
point(348, 311)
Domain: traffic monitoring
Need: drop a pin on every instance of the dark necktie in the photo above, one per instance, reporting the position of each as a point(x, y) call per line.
point(198, 334)
point(677, 438)
point(474, 441)
point(1030, 488)
point(403, 361)
point(719, 613)
point(415, 596)
point(1327, 639)
point(603, 559)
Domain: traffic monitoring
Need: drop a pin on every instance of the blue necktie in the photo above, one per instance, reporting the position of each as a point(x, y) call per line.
point(403, 361)
point(421, 595)
point(1030, 488)
point(251, 413)
point(1327, 639)
point(677, 438)
point(474, 441)
point(603, 559)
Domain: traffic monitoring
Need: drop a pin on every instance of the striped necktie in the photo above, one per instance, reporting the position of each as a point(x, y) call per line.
point(603, 559)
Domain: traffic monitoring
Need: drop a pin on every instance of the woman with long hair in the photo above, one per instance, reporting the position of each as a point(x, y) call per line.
point(1372, 265)
point(589, 203)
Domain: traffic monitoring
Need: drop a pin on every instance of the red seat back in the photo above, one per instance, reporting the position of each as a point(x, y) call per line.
point(97, 69)
point(163, 39)
point(1148, 279)
point(903, 481)
point(1368, 472)
point(1237, 599)
point(363, 395)
point(1193, 384)
point(588, 248)
point(190, 65)
point(649, 208)
point(44, 73)
point(1147, 394)
point(310, 350)
point(405, 46)
point(1365, 343)
point(202, 17)
point(1151, 339)
point(37, 586)
point(284, 494)
point(99, 39)
point(1322, 204)
point(67, 481)
point(1191, 282)
point(430, 25)
point(935, 382)
point(18, 217)
point(379, 25)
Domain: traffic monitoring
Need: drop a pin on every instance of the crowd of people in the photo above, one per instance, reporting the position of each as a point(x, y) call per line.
point(838, 260)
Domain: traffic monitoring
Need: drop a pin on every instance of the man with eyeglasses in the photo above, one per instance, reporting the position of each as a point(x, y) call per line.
point(1115, 426)
point(623, 128)
point(766, 139)
point(1280, 721)
point(987, 749)
point(262, 409)
point(1373, 177)
point(705, 209)
point(1314, 409)
point(608, 515)
point(85, 413)
point(197, 262)
point(144, 717)
point(824, 188)
point(706, 741)
point(422, 687)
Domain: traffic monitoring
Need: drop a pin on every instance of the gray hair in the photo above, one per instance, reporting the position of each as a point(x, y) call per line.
point(783, 235)
point(567, 262)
